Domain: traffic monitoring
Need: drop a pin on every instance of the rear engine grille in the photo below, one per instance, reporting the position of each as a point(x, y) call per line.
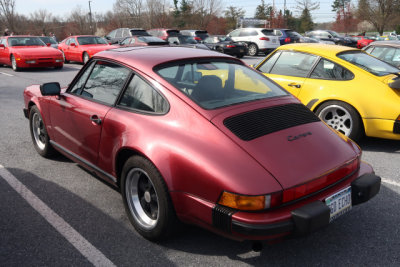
point(254, 124)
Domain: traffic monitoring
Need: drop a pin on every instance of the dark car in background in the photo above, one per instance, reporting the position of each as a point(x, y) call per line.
point(185, 41)
point(388, 51)
point(328, 35)
point(163, 33)
point(225, 44)
point(198, 35)
point(142, 41)
point(120, 34)
point(287, 36)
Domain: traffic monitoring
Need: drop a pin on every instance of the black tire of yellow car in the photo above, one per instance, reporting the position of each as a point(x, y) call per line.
point(14, 64)
point(357, 132)
point(166, 221)
point(47, 150)
point(252, 50)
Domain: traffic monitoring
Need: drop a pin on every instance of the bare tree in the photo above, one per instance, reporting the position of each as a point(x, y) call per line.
point(7, 10)
point(301, 5)
point(133, 9)
point(378, 12)
point(204, 11)
point(41, 20)
point(157, 14)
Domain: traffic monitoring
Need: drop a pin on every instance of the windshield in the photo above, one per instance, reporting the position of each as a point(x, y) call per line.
point(293, 34)
point(88, 40)
point(25, 41)
point(215, 84)
point(148, 39)
point(334, 34)
point(47, 40)
point(368, 63)
point(182, 39)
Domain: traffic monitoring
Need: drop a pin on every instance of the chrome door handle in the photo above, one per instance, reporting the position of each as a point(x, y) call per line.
point(95, 119)
point(296, 85)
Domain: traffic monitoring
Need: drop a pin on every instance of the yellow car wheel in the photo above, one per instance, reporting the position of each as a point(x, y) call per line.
point(342, 117)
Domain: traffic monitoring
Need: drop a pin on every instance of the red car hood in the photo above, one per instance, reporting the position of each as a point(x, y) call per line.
point(293, 155)
point(36, 51)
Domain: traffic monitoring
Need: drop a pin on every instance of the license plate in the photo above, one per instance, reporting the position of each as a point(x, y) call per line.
point(273, 40)
point(339, 203)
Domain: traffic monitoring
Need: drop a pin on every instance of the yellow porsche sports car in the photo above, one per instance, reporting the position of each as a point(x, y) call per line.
point(351, 91)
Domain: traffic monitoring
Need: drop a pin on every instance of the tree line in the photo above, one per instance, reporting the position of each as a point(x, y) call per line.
point(211, 15)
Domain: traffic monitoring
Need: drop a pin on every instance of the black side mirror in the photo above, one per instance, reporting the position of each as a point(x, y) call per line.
point(49, 89)
point(395, 84)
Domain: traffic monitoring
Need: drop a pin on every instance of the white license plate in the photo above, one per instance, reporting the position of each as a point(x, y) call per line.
point(339, 203)
point(273, 40)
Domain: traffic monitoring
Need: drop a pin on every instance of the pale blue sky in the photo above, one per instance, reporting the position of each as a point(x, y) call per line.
point(64, 7)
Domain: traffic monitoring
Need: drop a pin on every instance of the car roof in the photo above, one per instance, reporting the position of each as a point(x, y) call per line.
point(145, 58)
point(318, 49)
point(387, 43)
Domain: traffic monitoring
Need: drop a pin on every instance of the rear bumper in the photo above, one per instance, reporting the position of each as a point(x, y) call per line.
point(312, 216)
point(388, 129)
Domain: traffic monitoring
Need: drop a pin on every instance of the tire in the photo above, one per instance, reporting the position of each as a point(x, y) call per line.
point(85, 57)
point(252, 50)
point(343, 118)
point(40, 138)
point(14, 64)
point(65, 59)
point(146, 199)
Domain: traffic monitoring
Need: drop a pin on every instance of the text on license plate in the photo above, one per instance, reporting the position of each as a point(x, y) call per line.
point(339, 203)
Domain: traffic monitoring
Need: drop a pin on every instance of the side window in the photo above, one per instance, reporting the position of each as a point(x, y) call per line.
point(396, 57)
point(294, 64)
point(252, 33)
point(78, 86)
point(244, 33)
point(235, 33)
point(68, 41)
point(278, 33)
point(105, 82)
point(141, 96)
point(118, 34)
point(125, 33)
point(369, 49)
point(328, 70)
point(72, 41)
point(266, 67)
point(112, 34)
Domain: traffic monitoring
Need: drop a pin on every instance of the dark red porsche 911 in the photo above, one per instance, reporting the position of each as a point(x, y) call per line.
point(198, 136)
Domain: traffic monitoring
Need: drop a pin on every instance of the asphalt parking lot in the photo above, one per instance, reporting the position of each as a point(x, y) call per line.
point(54, 213)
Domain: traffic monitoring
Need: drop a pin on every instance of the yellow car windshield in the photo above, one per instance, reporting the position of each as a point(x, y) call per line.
point(214, 84)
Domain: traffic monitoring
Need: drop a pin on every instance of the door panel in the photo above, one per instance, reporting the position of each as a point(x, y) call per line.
point(292, 84)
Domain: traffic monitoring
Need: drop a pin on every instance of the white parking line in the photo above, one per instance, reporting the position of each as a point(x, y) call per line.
point(391, 182)
point(91, 253)
point(7, 74)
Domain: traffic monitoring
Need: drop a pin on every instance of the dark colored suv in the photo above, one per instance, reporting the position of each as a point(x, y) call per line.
point(120, 34)
point(198, 35)
point(163, 33)
point(287, 36)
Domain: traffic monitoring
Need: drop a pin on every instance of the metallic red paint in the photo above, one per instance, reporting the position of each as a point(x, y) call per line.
point(197, 156)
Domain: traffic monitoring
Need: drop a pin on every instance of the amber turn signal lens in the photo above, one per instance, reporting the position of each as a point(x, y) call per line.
point(241, 202)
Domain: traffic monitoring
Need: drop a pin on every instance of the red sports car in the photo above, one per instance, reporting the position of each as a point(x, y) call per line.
point(198, 136)
point(81, 48)
point(28, 52)
point(363, 41)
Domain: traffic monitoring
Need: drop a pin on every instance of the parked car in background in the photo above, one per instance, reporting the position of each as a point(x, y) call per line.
point(257, 39)
point(328, 35)
point(81, 48)
point(185, 41)
point(386, 38)
point(49, 40)
point(313, 39)
point(198, 136)
point(225, 44)
point(198, 35)
point(351, 91)
point(388, 51)
point(22, 52)
point(142, 41)
point(163, 33)
point(287, 36)
point(363, 41)
point(118, 35)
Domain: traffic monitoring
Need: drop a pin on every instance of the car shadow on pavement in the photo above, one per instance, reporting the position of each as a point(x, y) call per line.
point(357, 238)
point(380, 145)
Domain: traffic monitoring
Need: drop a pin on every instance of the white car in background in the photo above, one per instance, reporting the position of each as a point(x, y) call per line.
point(257, 39)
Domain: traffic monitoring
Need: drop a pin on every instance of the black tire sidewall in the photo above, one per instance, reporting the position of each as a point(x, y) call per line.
point(166, 216)
point(358, 129)
point(48, 149)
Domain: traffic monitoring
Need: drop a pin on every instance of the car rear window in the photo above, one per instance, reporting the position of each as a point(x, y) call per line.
point(139, 32)
point(213, 84)
point(268, 32)
point(293, 34)
point(173, 32)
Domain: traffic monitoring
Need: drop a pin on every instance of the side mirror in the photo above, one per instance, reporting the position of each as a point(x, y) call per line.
point(176, 43)
point(395, 84)
point(107, 37)
point(72, 44)
point(330, 36)
point(2, 46)
point(50, 89)
point(48, 44)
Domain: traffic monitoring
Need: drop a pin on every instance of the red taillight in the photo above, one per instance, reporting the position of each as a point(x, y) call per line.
point(287, 40)
point(197, 38)
point(319, 183)
point(264, 38)
point(230, 46)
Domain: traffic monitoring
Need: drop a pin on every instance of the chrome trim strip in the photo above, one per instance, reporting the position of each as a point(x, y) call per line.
point(109, 176)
